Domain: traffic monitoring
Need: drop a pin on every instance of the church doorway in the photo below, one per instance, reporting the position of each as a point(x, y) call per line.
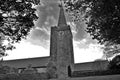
point(69, 71)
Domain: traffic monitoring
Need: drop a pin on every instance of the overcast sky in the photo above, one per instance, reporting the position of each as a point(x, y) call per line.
point(37, 43)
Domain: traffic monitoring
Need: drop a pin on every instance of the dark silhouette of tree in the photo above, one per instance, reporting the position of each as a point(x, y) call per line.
point(115, 63)
point(101, 16)
point(111, 50)
point(16, 21)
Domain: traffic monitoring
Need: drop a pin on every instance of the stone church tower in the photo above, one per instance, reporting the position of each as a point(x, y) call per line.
point(61, 48)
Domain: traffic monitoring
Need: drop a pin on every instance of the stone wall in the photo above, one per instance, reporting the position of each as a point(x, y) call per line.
point(41, 76)
point(107, 77)
point(61, 51)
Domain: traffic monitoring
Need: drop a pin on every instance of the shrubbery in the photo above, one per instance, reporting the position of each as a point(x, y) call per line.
point(114, 63)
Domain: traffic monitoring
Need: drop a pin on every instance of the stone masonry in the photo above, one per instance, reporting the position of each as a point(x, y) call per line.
point(61, 49)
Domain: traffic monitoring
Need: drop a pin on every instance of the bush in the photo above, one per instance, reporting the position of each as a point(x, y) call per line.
point(114, 63)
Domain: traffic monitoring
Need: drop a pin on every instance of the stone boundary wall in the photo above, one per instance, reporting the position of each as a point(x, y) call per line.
point(24, 76)
point(107, 77)
point(95, 73)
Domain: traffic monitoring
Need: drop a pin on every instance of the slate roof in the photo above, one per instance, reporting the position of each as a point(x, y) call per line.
point(23, 63)
point(91, 66)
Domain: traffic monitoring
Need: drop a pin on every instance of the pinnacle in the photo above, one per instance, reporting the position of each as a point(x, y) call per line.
point(62, 19)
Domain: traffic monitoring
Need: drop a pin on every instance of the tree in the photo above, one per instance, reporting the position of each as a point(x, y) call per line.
point(111, 50)
point(115, 63)
point(101, 16)
point(16, 21)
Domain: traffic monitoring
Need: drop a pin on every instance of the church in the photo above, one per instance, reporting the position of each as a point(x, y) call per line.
point(61, 59)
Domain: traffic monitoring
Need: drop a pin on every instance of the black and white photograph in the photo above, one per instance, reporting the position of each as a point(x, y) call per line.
point(59, 40)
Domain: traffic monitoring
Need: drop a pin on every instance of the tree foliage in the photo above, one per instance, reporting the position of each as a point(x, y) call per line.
point(16, 21)
point(111, 50)
point(115, 63)
point(101, 16)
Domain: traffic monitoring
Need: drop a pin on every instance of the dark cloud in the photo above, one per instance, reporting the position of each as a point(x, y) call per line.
point(39, 37)
point(82, 38)
point(81, 34)
point(85, 42)
point(48, 14)
point(41, 34)
point(48, 9)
